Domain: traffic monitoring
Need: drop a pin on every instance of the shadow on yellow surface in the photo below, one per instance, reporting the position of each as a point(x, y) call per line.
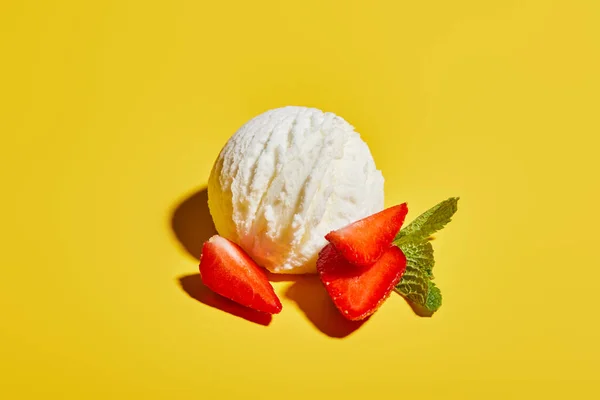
point(193, 286)
point(312, 298)
point(192, 224)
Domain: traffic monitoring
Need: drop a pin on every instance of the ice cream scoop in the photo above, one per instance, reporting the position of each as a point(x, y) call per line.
point(287, 178)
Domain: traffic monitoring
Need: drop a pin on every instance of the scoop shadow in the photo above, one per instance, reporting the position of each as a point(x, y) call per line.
point(193, 286)
point(312, 299)
point(192, 223)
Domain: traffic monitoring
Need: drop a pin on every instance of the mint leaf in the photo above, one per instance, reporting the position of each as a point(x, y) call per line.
point(434, 298)
point(432, 302)
point(416, 285)
point(429, 222)
point(420, 256)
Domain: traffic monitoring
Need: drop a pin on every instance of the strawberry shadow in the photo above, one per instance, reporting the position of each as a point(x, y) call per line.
point(193, 286)
point(192, 223)
point(312, 299)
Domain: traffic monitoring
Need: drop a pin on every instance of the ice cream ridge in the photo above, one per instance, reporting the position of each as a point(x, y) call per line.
point(295, 191)
point(287, 178)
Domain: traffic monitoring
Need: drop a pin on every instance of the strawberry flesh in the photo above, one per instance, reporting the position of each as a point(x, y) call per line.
point(364, 241)
point(227, 270)
point(358, 292)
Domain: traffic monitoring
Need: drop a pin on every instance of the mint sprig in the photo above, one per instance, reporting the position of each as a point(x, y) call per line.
point(429, 222)
point(417, 284)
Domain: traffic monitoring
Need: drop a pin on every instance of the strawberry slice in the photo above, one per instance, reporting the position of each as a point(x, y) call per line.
point(357, 292)
point(227, 270)
point(364, 241)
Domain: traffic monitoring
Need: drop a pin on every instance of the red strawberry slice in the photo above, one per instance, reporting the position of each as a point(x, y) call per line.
point(364, 241)
point(227, 270)
point(357, 292)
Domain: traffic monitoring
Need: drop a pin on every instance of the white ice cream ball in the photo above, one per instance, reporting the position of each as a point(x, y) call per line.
point(287, 178)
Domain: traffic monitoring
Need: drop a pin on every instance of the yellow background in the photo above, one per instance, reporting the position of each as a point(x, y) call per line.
point(112, 113)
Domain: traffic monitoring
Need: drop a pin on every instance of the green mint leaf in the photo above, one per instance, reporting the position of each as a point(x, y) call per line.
point(420, 256)
point(431, 305)
point(434, 298)
point(429, 222)
point(416, 285)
